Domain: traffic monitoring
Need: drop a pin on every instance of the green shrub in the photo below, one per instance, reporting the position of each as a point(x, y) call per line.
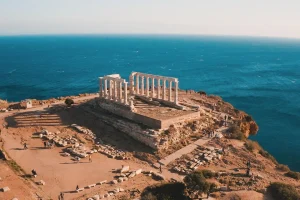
point(166, 191)
point(267, 155)
point(252, 145)
point(236, 133)
point(294, 175)
point(207, 173)
point(281, 191)
point(283, 168)
point(69, 102)
point(197, 181)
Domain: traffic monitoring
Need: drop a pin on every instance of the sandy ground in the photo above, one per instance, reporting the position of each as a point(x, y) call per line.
point(62, 174)
point(19, 187)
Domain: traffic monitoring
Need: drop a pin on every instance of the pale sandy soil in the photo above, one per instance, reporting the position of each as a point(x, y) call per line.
point(19, 187)
point(61, 174)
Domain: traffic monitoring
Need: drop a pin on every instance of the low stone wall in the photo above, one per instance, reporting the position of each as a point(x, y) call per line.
point(146, 136)
point(124, 111)
point(188, 117)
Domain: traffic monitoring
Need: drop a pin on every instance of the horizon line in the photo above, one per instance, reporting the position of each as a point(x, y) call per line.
point(147, 34)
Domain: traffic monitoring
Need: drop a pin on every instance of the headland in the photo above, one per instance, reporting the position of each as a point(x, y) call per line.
point(115, 143)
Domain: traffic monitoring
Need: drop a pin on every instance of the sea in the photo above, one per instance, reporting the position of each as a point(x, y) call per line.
point(258, 75)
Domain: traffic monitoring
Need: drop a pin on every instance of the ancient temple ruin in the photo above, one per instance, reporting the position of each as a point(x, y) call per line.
point(149, 99)
point(151, 103)
point(113, 87)
point(157, 91)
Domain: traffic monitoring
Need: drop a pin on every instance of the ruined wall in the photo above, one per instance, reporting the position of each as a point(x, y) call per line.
point(124, 111)
point(191, 116)
point(148, 137)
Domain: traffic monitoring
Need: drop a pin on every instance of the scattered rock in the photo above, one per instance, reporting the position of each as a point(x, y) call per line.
point(124, 169)
point(5, 189)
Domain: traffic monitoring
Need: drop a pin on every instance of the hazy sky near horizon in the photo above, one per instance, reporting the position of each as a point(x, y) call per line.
point(275, 18)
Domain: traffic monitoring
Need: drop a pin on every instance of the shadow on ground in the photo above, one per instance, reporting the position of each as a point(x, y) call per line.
point(60, 115)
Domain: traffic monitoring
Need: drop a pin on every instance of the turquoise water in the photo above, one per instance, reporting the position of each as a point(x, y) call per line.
point(258, 75)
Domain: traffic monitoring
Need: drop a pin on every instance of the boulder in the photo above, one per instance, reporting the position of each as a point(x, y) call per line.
point(223, 188)
point(106, 195)
point(120, 179)
point(117, 190)
point(41, 182)
point(137, 172)
point(125, 169)
point(5, 189)
point(131, 175)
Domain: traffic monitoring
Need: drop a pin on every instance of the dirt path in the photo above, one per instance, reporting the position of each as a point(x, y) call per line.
point(42, 107)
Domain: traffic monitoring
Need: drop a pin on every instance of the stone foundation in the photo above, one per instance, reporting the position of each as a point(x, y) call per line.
point(126, 112)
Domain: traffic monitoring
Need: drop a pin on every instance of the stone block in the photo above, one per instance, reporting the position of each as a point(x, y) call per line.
point(96, 197)
point(41, 182)
point(137, 172)
point(117, 190)
point(125, 179)
point(121, 190)
point(92, 185)
point(131, 175)
point(223, 188)
point(79, 190)
point(125, 169)
point(114, 182)
point(5, 189)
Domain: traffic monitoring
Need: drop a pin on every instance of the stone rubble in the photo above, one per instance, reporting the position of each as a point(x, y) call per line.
point(84, 131)
point(111, 152)
point(201, 156)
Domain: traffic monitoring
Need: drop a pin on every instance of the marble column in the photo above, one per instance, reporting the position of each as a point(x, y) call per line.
point(110, 89)
point(170, 90)
point(115, 91)
point(164, 89)
point(137, 81)
point(147, 86)
point(158, 88)
point(105, 88)
point(131, 79)
point(142, 87)
point(176, 93)
point(125, 93)
point(120, 92)
point(152, 88)
point(100, 87)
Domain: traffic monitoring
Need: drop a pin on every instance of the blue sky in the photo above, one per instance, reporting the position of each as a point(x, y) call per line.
point(275, 18)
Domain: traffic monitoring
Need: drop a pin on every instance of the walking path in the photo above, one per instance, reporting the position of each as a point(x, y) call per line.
point(185, 150)
point(36, 108)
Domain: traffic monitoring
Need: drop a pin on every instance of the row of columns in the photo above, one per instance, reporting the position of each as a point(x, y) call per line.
point(139, 89)
point(113, 89)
